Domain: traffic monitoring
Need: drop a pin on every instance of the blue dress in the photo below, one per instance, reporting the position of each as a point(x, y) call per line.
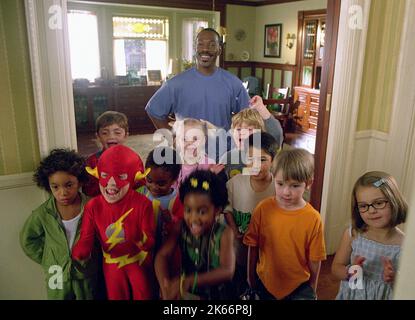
point(374, 288)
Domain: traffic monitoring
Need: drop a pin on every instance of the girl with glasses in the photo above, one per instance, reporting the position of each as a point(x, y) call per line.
point(368, 255)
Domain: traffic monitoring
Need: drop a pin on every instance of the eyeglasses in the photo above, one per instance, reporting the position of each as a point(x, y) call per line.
point(378, 204)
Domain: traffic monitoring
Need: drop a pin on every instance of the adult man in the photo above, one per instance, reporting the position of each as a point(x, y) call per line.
point(204, 92)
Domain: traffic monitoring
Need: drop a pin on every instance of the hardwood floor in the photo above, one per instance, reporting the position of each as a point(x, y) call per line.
point(327, 286)
point(300, 139)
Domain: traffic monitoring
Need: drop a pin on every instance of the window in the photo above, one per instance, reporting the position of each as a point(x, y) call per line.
point(83, 42)
point(140, 44)
point(190, 29)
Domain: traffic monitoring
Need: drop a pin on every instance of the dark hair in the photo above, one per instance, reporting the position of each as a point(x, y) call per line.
point(165, 158)
point(111, 117)
point(268, 143)
point(60, 160)
point(205, 182)
point(389, 187)
point(211, 30)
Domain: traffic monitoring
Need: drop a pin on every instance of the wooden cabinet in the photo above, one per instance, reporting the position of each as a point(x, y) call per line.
point(310, 47)
point(91, 101)
point(307, 115)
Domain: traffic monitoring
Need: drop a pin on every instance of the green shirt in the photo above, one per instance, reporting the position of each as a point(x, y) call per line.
point(43, 239)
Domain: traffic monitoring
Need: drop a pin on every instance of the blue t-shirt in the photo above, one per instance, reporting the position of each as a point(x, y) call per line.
point(191, 94)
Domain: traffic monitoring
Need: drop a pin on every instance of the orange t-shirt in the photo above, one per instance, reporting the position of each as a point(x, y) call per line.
point(287, 240)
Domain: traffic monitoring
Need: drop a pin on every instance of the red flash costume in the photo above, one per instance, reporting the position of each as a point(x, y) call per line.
point(122, 220)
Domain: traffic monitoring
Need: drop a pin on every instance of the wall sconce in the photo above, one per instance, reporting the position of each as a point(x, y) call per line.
point(290, 40)
point(223, 34)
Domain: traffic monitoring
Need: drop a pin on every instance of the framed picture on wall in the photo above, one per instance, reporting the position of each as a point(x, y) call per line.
point(273, 40)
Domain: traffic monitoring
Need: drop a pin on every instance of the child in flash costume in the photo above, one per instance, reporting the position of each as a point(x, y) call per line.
point(122, 220)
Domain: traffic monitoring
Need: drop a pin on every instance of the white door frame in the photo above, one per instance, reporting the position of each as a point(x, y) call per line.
point(51, 73)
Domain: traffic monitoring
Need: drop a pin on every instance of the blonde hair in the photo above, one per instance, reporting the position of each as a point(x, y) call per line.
point(249, 116)
point(109, 118)
point(387, 184)
point(295, 164)
point(190, 122)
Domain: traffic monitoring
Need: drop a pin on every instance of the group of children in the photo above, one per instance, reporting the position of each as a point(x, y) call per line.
point(183, 227)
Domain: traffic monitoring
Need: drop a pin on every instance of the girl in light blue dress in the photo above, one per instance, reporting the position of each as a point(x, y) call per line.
point(367, 259)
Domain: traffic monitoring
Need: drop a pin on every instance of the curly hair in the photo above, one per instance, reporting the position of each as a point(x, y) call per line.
point(165, 158)
point(205, 182)
point(60, 160)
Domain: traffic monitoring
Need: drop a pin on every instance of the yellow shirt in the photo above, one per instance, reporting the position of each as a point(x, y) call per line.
point(287, 240)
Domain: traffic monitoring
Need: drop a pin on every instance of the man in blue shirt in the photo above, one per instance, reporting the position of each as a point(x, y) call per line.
point(202, 92)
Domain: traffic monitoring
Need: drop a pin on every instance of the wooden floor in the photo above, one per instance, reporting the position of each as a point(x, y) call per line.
point(300, 139)
point(327, 286)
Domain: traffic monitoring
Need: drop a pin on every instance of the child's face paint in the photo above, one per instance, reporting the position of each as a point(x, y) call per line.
point(113, 191)
point(199, 213)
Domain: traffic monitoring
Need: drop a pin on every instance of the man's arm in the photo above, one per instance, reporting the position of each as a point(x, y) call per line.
point(160, 123)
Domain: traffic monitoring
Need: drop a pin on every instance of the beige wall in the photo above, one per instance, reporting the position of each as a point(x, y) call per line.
point(254, 19)
point(20, 277)
point(287, 14)
point(18, 135)
point(381, 61)
point(240, 18)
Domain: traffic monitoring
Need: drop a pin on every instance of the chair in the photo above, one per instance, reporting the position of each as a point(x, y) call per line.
point(280, 93)
point(251, 84)
point(288, 116)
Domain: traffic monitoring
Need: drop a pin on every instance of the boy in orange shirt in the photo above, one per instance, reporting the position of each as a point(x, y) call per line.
point(285, 236)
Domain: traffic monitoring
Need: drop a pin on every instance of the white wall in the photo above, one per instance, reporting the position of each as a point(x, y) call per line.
point(20, 277)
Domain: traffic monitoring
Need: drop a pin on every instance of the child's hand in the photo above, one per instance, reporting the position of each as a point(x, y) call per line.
point(236, 232)
point(257, 104)
point(216, 168)
point(388, 271)
point(170, 289)
point(358, 260)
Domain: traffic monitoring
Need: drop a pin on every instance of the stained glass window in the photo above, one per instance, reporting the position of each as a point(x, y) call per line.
point(140, 44)
point(144, 28)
